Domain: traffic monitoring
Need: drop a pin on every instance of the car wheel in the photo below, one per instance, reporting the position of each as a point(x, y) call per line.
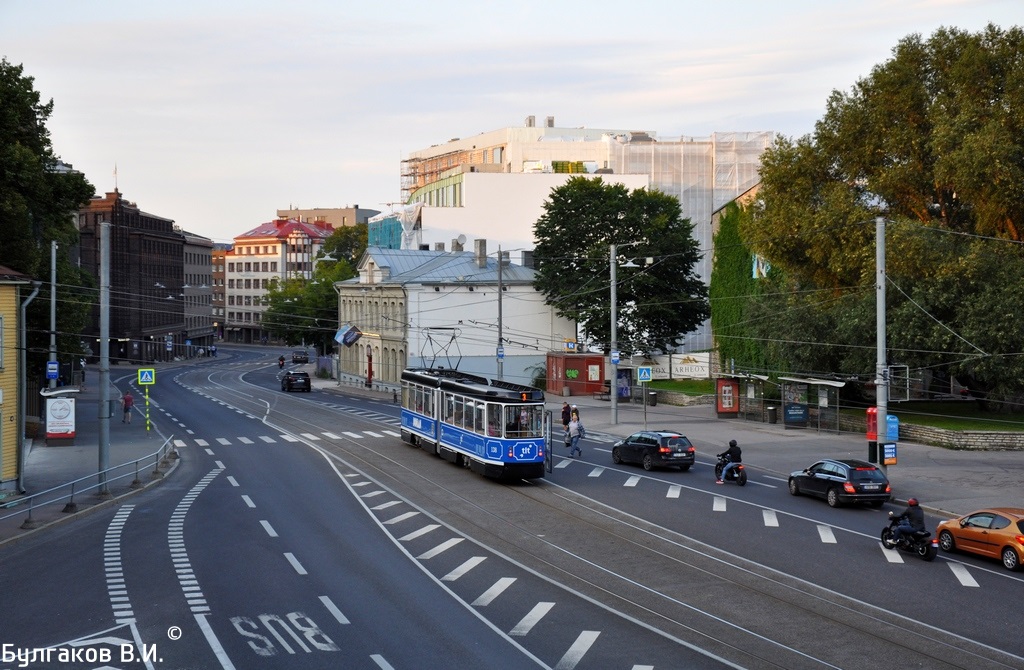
point(1011, 561)
point(794, 488)
point(648, 462)
point(946, 541)
point(832, 498)
point(616, 456)
point(684, 468)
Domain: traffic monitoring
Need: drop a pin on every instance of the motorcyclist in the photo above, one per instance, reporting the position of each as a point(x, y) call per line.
point(280, 361)
point(735, 455)
point(911, 520)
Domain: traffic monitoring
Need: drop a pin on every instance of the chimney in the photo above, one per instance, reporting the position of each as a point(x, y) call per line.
point(481, 253)
point(531, 121)
point(550, 122)
point(456, 246)
point(438, 246)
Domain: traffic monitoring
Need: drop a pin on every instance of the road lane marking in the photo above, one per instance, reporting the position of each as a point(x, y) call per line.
point(386, 505)
point(224, 441)
point(578, 649)
point(248, 501)
point(232, 481)
point(202, 443)
point(962, 574)
point(295, 563)
point(464, 568)
point(596, 472)
point(400, 517)
point(331, 436)
point(719, 504)
point(372, 434)
point(564, 463)
point(439, 549)
point(209, 452)
point(267, 527)
point(419, 533)
point(180, 443)
point(826, 534)
point(373, 494)
point(770, 518)
point(361, 484)
point(311, 437)
point(268, 439)
point(673, 491)
point(891, 555)
point(632, 481)
point(381, 663)
point(289, 438)
point(531, 619)
point(496, 590)
point(391, 433)
point(333, 609)
point(245, 440)
point(219, 464)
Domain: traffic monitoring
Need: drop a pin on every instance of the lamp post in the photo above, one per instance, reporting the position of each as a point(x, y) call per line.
point(613, 388)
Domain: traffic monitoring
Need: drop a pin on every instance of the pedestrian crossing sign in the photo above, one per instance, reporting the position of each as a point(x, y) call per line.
point(147, 376)
point(643, 373)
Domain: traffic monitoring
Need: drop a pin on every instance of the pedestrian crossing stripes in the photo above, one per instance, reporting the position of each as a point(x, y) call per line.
point(242, 440)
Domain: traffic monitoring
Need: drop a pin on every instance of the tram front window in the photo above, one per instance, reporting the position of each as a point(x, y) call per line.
point(524, 420)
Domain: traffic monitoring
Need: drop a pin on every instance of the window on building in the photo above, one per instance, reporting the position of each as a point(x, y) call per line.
point(273, 266)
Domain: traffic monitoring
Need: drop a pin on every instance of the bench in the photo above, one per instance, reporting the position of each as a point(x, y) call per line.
point(605, 393)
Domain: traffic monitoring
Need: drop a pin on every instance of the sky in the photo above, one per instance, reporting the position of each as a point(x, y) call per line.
point(218, 113)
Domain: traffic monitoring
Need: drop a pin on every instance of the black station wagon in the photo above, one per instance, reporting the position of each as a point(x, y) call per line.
point(655, 448)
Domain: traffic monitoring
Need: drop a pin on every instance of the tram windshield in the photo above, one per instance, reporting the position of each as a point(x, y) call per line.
point(524, 420)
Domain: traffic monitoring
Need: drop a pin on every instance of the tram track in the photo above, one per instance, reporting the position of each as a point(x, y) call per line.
point(734, 607)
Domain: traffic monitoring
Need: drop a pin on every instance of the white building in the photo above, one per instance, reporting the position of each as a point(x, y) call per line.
point(494, 184)
point(280, 249)
point(421, 308)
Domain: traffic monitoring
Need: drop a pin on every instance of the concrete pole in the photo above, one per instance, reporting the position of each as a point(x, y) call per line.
point(500, 359)
point(881, 367)
point(613, 396)
point(52, 383)
point(104, 379)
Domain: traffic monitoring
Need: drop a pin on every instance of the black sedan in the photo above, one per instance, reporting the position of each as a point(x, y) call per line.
point(842, 481)
point(295, 381)
point(655, 448)
point(299, 357)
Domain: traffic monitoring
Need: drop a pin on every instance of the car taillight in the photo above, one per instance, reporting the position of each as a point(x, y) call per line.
point(1020, 540)
point(848, 487)
point(691, 450)
point(888, 489)
point(665, 450)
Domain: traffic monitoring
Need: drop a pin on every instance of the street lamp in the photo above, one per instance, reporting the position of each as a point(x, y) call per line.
point(613, 388)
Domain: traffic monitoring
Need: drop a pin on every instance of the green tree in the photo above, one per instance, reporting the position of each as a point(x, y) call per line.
point(39, 197)
point(657, 303)
point(933, 140)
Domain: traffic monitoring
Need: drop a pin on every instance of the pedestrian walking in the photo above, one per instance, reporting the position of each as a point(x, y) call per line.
point(576, 432)
point(566, 415)
point(127, 402)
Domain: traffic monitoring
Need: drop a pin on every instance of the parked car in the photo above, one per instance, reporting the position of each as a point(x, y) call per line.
point(299, 357)
point(655, 448)
point(842, 481)
point(997, 532)
point(296, 381)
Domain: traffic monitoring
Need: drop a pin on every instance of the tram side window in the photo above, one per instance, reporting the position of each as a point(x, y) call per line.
point(449, 409)
point(493, 420)
point(479, 418)
point(460, 412)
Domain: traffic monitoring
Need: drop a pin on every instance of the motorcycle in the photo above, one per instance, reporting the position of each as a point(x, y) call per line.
point(737, 474)
point(919, 542)
point(280, 363)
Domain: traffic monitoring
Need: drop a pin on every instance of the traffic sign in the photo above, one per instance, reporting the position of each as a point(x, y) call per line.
point(147, 376)
point(643, 373)
point(52, 370)
point(501, 352)
point(615, 358)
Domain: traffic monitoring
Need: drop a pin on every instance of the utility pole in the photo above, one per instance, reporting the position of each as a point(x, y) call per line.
point(881, 367)
point(53, 308)
point(613, 388)
point(500, 352)
point(104, 379)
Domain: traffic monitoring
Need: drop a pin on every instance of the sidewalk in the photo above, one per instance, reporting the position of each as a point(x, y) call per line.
point(47, 467)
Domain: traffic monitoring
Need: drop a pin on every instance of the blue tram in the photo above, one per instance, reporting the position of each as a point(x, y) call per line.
point(494, 427)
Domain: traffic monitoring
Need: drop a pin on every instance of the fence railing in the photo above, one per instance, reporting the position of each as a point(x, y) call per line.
point(66, 492)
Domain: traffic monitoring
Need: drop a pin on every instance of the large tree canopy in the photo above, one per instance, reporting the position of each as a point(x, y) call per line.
point(932, 140)
point(658, 303)
point(39, 198)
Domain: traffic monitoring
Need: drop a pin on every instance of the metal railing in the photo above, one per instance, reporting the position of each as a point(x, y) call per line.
point(159, 458)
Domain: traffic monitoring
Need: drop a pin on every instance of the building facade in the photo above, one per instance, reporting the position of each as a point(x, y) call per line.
point(218, 282)
point(337, 217)
point(147, 309)
point(435, 308)
point(276, 250)
point(197, 294)
point(12, 376)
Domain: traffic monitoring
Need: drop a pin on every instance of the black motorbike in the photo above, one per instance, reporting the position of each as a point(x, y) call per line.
point(280, 363)
point(919, 542)
point(737, 474)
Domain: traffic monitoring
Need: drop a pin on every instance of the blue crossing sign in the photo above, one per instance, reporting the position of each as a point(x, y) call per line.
point(643, 373)
point(147, 376)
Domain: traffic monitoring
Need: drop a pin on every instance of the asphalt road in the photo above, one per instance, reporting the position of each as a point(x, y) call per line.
point(300, 532)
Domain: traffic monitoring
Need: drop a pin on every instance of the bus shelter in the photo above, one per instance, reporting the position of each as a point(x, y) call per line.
point(807, 401)
point(740, 395)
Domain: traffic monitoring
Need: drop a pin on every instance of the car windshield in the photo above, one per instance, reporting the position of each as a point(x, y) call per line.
point(866, 475)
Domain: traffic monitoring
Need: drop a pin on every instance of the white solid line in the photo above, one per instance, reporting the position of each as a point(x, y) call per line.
point(439, 549)
point(333, 609)
point(211, 639)
point(531, 619)
point(632, 481)
point(673, 491)
point(267, 527)
point(400, 517)
point(463, 569)
point(417, 533)
point(496, 590)
point(770, 518)
point(576, 652)
point(826, 534)
point(295, 563)
point(891, 555)
point(962, 574)
point(719, 504)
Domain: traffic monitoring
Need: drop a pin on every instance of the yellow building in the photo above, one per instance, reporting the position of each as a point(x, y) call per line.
point(11, 376)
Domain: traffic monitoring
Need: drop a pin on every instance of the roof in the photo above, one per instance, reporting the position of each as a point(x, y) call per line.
point(9, 275)
point(415, 266)
point(283, 228)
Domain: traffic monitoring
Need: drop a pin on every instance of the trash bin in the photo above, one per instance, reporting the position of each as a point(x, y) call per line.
point(652, 398)
point(773, 415)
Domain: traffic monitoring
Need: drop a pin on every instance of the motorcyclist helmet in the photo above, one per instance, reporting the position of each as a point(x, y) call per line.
point(912, 502)
point(732, 443)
